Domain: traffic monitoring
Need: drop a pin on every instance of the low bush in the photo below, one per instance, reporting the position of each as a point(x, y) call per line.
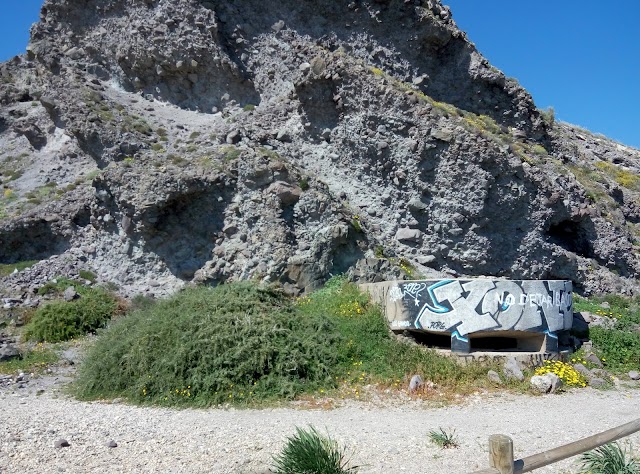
point(34, 360)
point(310, 452)
point(9, 268)
point(61, 320)
point(236, 343)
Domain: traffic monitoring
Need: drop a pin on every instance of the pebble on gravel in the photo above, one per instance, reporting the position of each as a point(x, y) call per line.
point(112, 444)
point(61, 443)
point(634, 375)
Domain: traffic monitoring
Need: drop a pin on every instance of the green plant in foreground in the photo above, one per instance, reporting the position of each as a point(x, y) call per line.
point(608, 459)
point(308, 452)
point(444, 439)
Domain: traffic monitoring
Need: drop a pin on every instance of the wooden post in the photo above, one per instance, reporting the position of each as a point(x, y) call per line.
point(501, 450)
point(501, 453)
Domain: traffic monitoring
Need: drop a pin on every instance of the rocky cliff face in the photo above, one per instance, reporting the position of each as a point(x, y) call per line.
point(160, 142)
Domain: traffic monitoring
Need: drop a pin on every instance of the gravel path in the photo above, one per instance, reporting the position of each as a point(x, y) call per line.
point(386, 438)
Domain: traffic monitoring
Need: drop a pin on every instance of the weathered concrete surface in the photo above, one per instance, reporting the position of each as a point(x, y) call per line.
point(464, 309)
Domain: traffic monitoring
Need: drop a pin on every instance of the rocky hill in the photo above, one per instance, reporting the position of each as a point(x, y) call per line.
point(159, 142)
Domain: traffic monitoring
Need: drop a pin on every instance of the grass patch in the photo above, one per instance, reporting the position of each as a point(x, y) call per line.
point(444, 439)
point(624, 178)
point(62, 320)
point(34, 360)
point(619, 347)
point(230, 153)
point(310, 452)
point(87, 275)
point(8, 268)
point(608, 459)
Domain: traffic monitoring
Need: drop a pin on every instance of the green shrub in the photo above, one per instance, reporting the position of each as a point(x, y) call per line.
point(309, 452)
point(236, 343)
point(61, 320)
point(549, 116)
point(619, 347)
point(608, 459)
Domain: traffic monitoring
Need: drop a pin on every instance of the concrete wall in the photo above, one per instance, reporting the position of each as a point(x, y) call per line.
point(464, 308)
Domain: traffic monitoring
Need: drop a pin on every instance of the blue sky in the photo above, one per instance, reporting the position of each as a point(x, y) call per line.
point(580, 57)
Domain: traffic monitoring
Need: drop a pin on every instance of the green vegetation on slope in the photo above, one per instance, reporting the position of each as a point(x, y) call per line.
point(619, 346)
point(61, 320)
point(244, 344)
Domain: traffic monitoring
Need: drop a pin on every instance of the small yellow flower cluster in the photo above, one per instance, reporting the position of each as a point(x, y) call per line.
point(570, 376)
point(303, 301)
point(352, 308)
point(607, 314)
point(182, 392)
point(351, 384)
point(8, 193)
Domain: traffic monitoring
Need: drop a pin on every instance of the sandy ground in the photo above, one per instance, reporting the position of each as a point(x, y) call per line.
point(385, 437)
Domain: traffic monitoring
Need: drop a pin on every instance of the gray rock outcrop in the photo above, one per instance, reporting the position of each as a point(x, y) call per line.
point(135, 135)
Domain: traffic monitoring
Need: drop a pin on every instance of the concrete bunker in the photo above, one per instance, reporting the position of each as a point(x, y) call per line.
point(479, 314)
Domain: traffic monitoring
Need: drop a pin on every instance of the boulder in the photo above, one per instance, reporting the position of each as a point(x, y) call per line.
point(541, 383)
point(494, 377)
point(594, 360)
point(70, 294)
point(9, 353)
point(547, 383)
point(285, 192)
point(407, 234)
point(511, 369)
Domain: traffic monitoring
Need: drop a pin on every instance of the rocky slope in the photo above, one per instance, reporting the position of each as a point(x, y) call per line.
point(160, 142)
